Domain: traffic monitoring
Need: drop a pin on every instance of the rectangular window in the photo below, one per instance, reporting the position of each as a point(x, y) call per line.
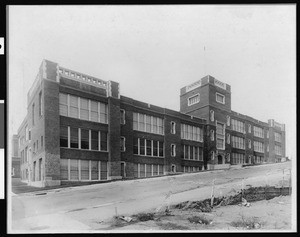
point(94, 170)
point(238, 142)
point(142, 146)
point(200, 154)
point(277, 150)
point(63, 136)
point(258, 132)
point(94, 140)
point(155, 170)
point(122, 144)
point(42, 141)
point(277, 137)
point(135, 170)
point(64, 169)
point(220, 98)
point(148, 148)
point(148, 123)
point(33, 114)
point(103, 173)
point(85, 139)
point(85, 169)
point(84, 109)
point(161, 149)
point(160, 126)
point(194, 99)
point(135, 146)
point(103, 140)
point(40, 104)
point(94, 111)
point(161, 169)
point(155, 148)
point(141, 122)
point(173, 150)
point(103, 113)
point(74, 138)
point(74, 175)
point(238, 126)
point(63, 104)
point(155, 126)
point(148, 170)
point(122, 116)
point(193, 133)
point(73, 106)
point(196, 149)
point(142, 170)
point(135, 121)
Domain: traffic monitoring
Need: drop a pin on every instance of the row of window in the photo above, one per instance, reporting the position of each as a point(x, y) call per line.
point(85, 109)
point(187, 169)
point(194, 99)
point(277, 137)
point(147, 170)
point(148, 147)
point(258, 132)
point(193, 133)
point(71, 169)
point(238, 126)
point(238, 158)
point(238, 142)
point(80, 138)
point(258, 159)
point(258, 146)
point(191, 152)
point(147, 123)
point(277, 150)
point(40, 108)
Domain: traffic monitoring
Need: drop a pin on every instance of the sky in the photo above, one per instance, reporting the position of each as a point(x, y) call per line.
point(153, 51)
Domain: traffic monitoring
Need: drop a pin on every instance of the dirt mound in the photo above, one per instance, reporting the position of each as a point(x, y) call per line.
point(251, 194)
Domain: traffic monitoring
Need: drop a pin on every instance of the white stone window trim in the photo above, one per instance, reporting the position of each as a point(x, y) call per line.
point(223, 96)
point(192, 97)
point(173, 150)
point(123, 116)
point(173, 127)
point(123, 139)
point(212, 115)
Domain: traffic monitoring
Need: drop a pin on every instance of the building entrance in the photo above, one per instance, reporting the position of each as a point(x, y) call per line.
point(220, 159)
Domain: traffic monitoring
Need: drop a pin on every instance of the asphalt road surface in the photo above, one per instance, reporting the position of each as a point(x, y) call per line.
point(84, 208)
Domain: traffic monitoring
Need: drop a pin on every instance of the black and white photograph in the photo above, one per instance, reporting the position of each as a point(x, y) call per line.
point(151, 118)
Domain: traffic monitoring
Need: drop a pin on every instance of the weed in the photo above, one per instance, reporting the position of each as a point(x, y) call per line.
point(144, 216)
point(199, 220)
point(248, 223)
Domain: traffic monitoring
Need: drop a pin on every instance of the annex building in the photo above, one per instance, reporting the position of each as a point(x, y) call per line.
point(79, 128)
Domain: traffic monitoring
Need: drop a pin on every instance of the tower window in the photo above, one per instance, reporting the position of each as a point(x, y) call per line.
point(220, 98)
point(194, 99)
point(173, 127)
point(212, 115)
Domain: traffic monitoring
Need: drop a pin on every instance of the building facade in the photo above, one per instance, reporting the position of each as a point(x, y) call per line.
point(15, 158)
point(79, 128)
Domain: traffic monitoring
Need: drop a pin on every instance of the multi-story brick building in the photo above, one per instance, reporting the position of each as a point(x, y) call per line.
point(79, 128)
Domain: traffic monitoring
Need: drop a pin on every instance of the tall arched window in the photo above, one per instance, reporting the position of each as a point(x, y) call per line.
point(228, 138)
point(212, 135)
point(212, 115)
point(228, 120)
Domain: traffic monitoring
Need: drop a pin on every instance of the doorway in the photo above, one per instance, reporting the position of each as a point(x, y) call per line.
point(173, 168)
point(220, 159)
point(123, 174)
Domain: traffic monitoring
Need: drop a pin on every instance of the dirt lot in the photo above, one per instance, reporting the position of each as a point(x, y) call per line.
point(273, 214)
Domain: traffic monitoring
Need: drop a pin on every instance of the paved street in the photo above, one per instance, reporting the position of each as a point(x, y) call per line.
point(83, 208)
